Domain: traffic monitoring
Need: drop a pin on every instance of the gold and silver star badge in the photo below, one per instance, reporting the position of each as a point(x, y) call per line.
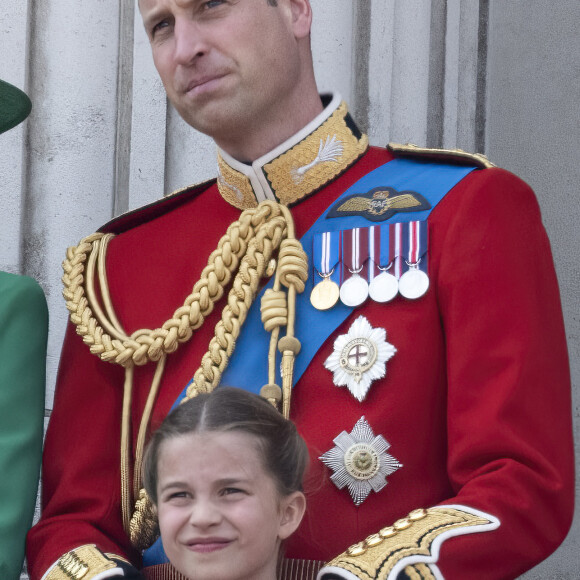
point(360, 357)
point(360, 461)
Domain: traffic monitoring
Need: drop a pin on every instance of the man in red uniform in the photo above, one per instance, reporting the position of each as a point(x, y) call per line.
point(436, 402)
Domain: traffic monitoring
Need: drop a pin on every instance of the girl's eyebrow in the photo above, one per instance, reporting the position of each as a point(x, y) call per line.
point(219, 482)
point(173, 484)
point(232, 480)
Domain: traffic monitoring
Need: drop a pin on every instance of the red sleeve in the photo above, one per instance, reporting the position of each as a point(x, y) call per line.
point(81, 462)
point(509, 447)
point(510, 450)
point(81, 477)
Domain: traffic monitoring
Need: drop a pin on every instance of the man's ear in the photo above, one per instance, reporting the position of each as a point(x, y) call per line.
point(301, 17)
point(292, 510)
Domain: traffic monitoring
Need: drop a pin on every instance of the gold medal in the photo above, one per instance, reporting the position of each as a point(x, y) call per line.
point(325, 294)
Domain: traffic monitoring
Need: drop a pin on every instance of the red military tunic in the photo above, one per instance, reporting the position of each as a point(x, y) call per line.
point(475, 403)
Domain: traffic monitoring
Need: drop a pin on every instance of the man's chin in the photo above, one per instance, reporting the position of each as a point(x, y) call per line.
point(213, 119)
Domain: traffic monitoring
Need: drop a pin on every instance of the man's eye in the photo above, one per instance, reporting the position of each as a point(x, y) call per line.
point(231, 491)
point(213, 3)
point(158, 27)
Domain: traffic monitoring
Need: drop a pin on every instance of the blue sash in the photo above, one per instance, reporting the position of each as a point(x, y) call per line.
point(248, 367)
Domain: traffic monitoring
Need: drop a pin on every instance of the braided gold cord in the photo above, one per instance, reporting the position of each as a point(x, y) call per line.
point(277, 311)
point(252, 239)
point(147, 411)
point(143, 529)
point(125, 457)
point(292, 271)
point(241, 297)
point(148, 345)
point(274, 310)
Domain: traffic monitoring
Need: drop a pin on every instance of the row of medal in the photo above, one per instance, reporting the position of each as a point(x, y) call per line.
point(377, 262)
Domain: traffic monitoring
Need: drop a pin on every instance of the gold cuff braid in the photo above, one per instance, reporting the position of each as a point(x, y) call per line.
point(419, 572)
point(415, 538)
point(82, 563)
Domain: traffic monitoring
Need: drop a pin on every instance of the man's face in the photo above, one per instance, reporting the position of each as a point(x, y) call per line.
point(227, 65)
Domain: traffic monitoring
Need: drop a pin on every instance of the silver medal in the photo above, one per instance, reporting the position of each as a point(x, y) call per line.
point(413, 283)
point(383, 287)
point(354, 291)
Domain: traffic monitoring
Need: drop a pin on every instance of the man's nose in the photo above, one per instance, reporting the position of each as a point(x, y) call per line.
point(190, 40)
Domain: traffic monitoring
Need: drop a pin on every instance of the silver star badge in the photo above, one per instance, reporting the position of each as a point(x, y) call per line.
point(360, 357)
point(360, 461)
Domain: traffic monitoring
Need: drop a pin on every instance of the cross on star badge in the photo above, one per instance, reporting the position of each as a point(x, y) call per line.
point(359, 357)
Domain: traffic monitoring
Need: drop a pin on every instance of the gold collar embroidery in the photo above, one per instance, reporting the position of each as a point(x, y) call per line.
point(298, 167)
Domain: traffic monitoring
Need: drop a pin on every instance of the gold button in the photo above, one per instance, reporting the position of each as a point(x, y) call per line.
point(387, 532)
point(356, 550)
point(373, 540)
point(402, 524)
point(417, 515)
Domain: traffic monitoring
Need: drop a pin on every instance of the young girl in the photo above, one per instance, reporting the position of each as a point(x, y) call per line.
point(225, 472)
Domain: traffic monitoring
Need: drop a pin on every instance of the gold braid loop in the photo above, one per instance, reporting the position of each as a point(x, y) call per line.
point(293, 272)
point(293, 265)
point(149, 345)
point(274, 309)
point(248, 243)
point(241, 296)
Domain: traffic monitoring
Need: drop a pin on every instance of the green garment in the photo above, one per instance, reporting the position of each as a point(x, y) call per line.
point(23, 336)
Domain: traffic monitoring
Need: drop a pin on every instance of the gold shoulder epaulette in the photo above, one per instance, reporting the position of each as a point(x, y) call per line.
point(455, 156)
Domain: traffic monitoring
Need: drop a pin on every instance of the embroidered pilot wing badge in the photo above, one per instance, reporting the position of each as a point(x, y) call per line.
point(379, 204)
point(360, 357)
point(360, 461)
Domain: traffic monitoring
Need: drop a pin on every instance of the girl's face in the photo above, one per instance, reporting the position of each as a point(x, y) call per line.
point(220, 514)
